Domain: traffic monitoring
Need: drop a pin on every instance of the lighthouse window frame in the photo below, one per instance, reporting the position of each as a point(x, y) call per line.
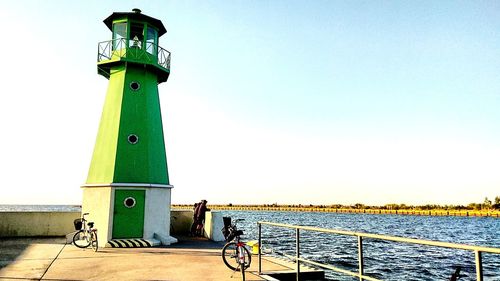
point(133, 139)
point(135, 86)
point(129, 202)
point(120, 32)
point(151, 40)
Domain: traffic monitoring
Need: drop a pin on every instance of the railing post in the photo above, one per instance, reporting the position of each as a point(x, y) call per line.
point(260, 246)
point(360, 258)
point(479, 266)
point(297, 255)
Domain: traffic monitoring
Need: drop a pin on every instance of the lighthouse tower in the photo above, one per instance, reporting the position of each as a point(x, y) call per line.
point(127, 191)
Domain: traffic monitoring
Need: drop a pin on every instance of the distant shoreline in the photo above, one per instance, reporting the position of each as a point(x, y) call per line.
point(495, 213)
point(434, 212)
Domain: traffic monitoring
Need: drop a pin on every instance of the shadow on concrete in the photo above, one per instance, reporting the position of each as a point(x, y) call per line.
point(17, 249)
point(195, 243)
point(11, 248)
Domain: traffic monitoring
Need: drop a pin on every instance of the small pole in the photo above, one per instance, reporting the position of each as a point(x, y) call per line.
point(260, 243)
point(360, 258)
point(297, 236)
point(479, 266)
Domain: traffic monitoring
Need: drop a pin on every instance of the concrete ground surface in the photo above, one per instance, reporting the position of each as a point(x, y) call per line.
point(53, 259)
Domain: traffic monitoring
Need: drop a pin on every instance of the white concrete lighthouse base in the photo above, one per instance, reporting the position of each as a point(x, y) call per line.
point(165, 240)
point(157, 215)
point(98, 201)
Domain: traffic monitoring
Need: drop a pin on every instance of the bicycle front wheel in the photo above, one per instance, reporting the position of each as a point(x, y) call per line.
point(81, 239)
point(230, 256)
point(93, 242)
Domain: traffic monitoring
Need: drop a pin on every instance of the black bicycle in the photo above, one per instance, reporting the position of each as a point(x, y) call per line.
point(235, 254)
point(86, 235)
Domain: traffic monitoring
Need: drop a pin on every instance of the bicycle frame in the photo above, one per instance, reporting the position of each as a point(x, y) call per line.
point(94, 230)
point(84, 222)
point(241, 254)
point(86, 225)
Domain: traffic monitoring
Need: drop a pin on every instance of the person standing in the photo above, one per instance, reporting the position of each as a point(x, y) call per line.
point(192, 231)
point(200, 215)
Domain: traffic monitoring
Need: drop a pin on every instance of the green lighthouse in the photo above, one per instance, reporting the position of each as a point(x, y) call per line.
point(128, 191)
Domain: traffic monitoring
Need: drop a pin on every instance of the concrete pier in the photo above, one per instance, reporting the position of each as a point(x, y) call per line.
point(53, 259)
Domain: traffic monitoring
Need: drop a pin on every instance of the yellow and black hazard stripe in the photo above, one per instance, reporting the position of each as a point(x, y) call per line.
point(130, 243)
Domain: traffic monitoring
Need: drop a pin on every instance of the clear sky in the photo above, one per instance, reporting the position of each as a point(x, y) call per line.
point(284, 102)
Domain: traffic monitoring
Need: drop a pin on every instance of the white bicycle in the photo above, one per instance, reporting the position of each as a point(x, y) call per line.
point(86, 235)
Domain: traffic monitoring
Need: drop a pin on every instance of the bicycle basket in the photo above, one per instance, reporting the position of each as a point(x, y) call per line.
point(227, 225)
point(78, 224)
point(229, 231)
point(227, 222)
point(232, 234)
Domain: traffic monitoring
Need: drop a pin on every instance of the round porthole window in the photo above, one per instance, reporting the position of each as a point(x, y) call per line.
point(135, 85)
point(133, 139)
point(129, 202)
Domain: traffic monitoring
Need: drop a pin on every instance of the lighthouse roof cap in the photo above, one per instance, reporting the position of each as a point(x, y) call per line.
point(138, 16)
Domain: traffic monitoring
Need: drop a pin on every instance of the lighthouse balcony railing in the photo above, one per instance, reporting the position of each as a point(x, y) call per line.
point(121, 48)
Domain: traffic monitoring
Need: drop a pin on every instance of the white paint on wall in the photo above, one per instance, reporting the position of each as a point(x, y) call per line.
point(98, 202)
point(213, 226)
point(157, 215)
point(156, 211)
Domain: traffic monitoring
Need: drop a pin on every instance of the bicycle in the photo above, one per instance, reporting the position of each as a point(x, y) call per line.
point(235, 254)
point(86, 235)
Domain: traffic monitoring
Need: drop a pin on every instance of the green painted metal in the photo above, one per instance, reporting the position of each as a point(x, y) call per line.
point(128, 222)
point(143, 119)
point(118, 51)
point(137, 17)
point(129, 111)
point(102, 167)
point(124, 49)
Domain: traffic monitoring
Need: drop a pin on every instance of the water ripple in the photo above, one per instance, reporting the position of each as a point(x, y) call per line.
point(383, 260)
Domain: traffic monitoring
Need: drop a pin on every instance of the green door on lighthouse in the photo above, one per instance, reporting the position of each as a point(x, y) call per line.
point(128, 217)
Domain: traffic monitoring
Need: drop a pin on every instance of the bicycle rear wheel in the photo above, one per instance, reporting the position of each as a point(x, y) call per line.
point(94, 243)
point(230, 256)
point(81, 239)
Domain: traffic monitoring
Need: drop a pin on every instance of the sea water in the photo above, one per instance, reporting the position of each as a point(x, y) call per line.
point(40, 208)
point(383, 260)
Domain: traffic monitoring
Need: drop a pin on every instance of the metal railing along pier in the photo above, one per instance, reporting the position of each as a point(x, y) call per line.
point(478, 250)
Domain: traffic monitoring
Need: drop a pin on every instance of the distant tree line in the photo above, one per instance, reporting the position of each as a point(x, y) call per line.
point(486, 205)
